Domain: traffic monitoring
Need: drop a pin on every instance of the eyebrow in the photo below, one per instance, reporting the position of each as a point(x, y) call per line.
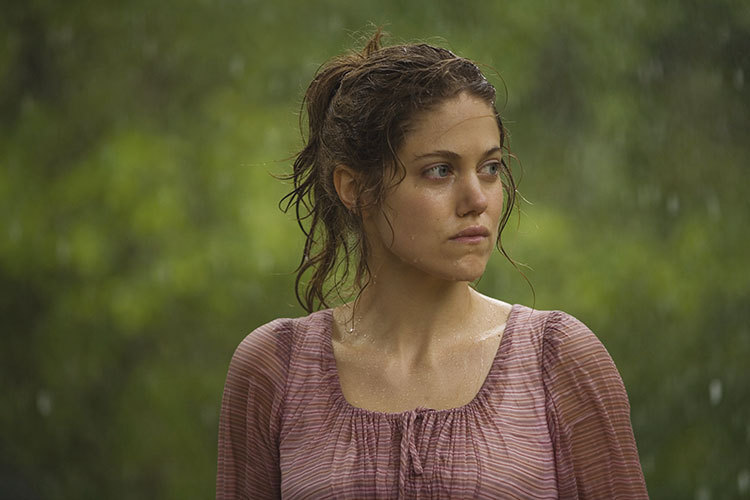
point(452, 155)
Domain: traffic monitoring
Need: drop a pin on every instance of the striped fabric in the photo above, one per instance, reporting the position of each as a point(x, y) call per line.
point(551, 420)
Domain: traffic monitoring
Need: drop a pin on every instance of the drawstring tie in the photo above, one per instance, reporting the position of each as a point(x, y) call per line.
point(409, 453)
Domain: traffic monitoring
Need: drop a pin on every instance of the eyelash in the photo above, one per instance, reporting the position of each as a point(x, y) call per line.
point(435, 169)
point(496, 164)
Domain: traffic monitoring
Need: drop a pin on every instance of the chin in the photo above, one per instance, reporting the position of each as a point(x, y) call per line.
point(465, 272)
point(464, 268)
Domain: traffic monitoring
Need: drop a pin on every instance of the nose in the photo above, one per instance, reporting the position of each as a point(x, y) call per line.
point(472, 199)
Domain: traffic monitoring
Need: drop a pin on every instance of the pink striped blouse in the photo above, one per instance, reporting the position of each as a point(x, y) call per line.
point(551, 420)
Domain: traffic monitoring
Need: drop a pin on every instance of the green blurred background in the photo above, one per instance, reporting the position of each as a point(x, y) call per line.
point(142, 239)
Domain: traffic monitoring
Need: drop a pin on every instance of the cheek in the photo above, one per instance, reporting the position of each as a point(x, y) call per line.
point(421, 215)
point(413, 221)
point(496, 203)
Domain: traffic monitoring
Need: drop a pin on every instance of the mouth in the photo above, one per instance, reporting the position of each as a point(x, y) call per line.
point(472, 234)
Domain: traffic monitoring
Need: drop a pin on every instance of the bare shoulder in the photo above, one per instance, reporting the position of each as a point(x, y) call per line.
point(498, 309)
point(494, 312)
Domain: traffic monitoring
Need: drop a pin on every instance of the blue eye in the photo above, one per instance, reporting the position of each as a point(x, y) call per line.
point(492, 168)
point(438, 171)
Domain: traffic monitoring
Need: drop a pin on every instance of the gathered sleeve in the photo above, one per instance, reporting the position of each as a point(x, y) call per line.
point(248, 457)
point(588, 415)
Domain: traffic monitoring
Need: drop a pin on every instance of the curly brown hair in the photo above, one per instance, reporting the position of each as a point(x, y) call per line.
point(359, 106)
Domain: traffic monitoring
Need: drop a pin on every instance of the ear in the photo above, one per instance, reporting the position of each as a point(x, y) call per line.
point(345, 182)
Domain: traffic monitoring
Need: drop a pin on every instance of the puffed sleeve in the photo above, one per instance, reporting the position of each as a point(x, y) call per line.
point(588, 415)
point(248, 458)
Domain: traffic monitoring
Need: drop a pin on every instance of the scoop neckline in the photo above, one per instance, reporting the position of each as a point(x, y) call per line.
point(502, 351)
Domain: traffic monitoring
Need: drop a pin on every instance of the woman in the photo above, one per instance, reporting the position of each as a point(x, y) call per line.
point(420, 387)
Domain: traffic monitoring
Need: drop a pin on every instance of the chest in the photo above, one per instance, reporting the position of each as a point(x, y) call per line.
point(378, 382)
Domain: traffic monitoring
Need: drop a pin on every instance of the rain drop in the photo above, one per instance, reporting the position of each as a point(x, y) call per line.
point(673, 204)
point(44, 403)
point(743, 481)
point(703, 493)
point(62, 251)
point(714, 391)
point(738, 79)
point(14, 231)
point(713, 206)
point(236, 66)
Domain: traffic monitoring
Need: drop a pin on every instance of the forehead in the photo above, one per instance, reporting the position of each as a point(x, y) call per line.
point(458, 121)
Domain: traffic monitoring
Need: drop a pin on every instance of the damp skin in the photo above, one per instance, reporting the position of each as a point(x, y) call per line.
point(452, 185)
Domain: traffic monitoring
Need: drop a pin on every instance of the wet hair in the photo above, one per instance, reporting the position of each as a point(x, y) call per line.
point(359, 106)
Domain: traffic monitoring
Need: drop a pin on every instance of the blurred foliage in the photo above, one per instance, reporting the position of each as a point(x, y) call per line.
point(142, 238)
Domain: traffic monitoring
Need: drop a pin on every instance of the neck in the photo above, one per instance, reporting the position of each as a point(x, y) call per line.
point(408, 313)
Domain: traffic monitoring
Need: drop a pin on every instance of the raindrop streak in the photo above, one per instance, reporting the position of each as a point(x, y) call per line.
point(714, 391)
point(738, 79)
point(62, 251)
point(703, 493)
point(713, 206)
point(15, 231)
point(743, 481)
point(236, 66)
point(44, 403)
point(673, 204)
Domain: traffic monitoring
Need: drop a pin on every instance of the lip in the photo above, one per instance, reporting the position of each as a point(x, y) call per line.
point(471, 234)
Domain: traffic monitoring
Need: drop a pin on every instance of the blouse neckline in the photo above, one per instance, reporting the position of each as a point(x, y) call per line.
point(503, 350)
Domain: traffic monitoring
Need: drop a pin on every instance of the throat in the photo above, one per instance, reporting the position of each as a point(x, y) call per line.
point(412, 326)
